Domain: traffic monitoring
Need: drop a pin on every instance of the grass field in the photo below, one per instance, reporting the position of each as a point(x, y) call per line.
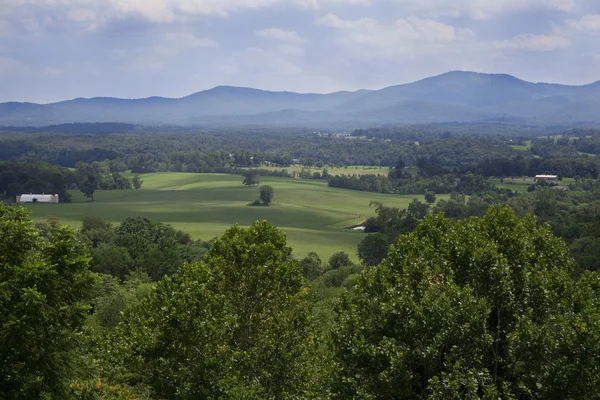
point(520, 185)
point(313, 216)
point(358, 170)
point(525, 147)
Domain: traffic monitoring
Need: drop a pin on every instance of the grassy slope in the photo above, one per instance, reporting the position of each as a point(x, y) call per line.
point(358, 170)
point(311, 214)
point(521, 185)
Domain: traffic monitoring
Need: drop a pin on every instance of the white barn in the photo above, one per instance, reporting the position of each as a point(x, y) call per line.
point(38, 198)
point(546, 177)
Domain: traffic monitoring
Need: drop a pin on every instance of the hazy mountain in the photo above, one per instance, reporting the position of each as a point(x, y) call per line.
point(451, 97)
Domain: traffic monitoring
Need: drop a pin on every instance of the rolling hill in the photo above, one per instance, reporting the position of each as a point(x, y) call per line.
point(452, 97)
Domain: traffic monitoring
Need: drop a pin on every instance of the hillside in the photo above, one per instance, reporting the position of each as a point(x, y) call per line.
point(451, 97)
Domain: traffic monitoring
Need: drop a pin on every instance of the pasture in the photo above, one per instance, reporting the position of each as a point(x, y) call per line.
point(520, 184)
point(314, 216)
point(349, 170)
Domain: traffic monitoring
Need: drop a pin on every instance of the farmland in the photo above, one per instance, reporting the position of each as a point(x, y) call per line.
point(313, 216)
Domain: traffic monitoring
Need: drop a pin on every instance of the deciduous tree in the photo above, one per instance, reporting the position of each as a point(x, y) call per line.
point(235, 326)
point(266, 194)
point(484, 308)
point(44, 285)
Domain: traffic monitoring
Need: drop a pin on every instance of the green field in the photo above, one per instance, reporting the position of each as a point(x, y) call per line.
point(520, 185)
point(313, 216)
point(524, 147)
point(354, 169)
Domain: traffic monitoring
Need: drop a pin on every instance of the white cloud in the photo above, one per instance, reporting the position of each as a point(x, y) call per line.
point(9, 65)
point(534, 43)
point(188, 39)
point(587, 23)
point(483, 9)
point(290, 50)
point(153, 10)
point(405, 32)
point(82, 15)
point(280, 34)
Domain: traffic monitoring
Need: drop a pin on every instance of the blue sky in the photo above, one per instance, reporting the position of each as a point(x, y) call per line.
point(52, 50)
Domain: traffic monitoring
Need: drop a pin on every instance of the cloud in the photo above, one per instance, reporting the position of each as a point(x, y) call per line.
point(152, 10)
point(402, 33)
point(587, 23)
point(280, 34)
point(188, 39)
point(483, 9)
point(290, 50)
point(9, 66)
point(534, 43)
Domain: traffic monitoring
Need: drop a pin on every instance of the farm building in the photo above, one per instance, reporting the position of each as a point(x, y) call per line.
point(38, 198)
point(546, 177)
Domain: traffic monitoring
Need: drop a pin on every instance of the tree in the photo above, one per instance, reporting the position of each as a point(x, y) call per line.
point(312, 266)
point(339, 260)
point(266, 194)
point(398, 171)
point(430, 197)
point(44, 286)
point(373, 249)
point(400, 164)
point(137, 182)
point(479, 308)
point(251, 178)
point(89, 185)
point(234, 326)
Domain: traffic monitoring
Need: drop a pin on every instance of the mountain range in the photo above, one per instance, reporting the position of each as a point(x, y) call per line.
point(453, 97)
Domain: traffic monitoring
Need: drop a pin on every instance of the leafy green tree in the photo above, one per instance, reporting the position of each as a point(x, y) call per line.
point(112, 297)
point(137, 182)
point(89, 185)
point(111, 259)
point(339, 260)
point(484, 308)
point(44, 286)
point(373, 249)
point(312, 266)
point(266, 194)
point(430, 197)
point(235, 326)
point(251, 178)
point(96, 231)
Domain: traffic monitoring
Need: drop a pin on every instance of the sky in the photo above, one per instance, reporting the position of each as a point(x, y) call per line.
point(52, 50)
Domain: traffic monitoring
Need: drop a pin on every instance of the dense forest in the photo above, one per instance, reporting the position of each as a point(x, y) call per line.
point(486, 293)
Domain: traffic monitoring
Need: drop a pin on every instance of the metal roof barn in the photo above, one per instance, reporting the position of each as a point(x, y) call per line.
point(37, 198)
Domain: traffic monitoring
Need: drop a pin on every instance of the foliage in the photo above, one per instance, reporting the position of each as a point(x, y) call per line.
point(88, 185)
point(430, 197)
point(137, 182)
point(266, 194)
point(251, 178)
point(234, 326)
point(483, 308)
point(373, 249)
point(17, 178)
point(312, 266)
point(138, 244)
point(339, 260)
point(44, 285)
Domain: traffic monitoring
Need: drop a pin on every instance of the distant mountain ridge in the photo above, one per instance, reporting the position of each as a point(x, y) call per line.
point(455, 96)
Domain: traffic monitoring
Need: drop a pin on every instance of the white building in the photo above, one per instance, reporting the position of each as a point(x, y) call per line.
point(38, 198)
point(546, 177)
